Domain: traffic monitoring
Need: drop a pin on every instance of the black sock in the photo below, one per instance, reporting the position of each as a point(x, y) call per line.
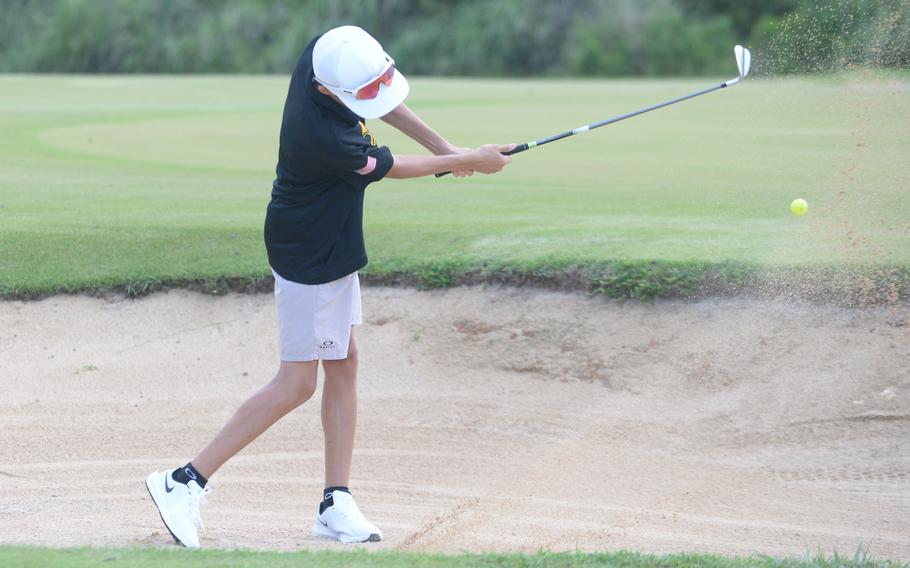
point(186, 473)
point(327, 500)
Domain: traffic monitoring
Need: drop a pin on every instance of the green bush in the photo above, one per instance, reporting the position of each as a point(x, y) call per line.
point(653, 38)
point(467, 38)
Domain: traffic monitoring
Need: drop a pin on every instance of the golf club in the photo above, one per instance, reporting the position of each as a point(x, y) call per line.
point(743, 62)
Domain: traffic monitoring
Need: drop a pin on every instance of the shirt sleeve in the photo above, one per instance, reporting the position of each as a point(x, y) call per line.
point(355, 157)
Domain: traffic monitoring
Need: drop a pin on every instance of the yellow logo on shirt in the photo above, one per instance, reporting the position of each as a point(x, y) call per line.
point(365, 132)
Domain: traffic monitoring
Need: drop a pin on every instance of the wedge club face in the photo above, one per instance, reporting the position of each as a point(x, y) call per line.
point(743, 60)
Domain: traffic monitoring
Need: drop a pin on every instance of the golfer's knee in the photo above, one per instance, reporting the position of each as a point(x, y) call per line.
point(296, 385)
point(300, 391)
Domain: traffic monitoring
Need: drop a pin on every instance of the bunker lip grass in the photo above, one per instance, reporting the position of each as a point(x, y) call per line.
point(867, 285)
point(137, 556)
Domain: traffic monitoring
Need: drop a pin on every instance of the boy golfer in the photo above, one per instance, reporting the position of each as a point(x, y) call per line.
point(314, 238)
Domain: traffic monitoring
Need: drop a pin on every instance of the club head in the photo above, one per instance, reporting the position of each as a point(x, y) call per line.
point(743, 60)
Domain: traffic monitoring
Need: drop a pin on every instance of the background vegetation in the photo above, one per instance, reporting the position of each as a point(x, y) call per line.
point(464, 38)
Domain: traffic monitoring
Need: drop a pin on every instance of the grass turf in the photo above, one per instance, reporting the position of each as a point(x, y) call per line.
point(138, 180)
point(19, 556)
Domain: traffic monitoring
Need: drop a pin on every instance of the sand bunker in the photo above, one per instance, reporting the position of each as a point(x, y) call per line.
point(490, 419)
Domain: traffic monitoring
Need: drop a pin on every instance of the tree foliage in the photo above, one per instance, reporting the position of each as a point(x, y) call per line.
point(820, 37)
point(467, 37)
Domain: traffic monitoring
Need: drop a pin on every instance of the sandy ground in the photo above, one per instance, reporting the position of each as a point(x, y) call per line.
point(490, 420)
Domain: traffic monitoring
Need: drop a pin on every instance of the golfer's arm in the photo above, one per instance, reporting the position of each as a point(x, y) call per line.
point(411, 166)
point(406, 121)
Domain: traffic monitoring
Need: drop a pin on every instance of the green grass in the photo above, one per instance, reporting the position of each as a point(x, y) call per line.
point(16, 556)
point(137, 182)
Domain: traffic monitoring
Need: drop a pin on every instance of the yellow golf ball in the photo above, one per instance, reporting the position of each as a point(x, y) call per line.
point(799, 207)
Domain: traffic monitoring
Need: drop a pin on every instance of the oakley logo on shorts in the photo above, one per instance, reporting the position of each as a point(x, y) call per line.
point(327, 344)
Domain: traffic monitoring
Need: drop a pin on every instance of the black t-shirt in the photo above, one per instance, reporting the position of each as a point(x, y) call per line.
point(326, 159)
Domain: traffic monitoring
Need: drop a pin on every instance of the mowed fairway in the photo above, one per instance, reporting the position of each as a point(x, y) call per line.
point(108, 179)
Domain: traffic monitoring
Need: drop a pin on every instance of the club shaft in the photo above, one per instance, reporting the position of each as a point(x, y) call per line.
point(592, 126)
point(614, 119)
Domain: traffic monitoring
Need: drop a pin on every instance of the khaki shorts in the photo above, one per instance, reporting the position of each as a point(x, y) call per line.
point(314, 321)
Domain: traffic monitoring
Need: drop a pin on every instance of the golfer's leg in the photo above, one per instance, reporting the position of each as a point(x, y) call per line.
point(339, 416)
point(294, 384)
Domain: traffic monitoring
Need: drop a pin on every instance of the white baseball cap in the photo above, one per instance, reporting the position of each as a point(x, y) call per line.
point(347, 59)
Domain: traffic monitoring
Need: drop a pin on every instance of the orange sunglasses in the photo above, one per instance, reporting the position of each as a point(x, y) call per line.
point(370, 89)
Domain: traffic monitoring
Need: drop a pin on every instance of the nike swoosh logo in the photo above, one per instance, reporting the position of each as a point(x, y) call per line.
point(166, 488)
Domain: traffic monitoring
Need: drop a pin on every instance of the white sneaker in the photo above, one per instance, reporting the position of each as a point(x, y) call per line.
point(178, 505)
point(343, 521)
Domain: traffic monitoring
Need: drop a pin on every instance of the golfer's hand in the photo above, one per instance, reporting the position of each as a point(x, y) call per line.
point(461, 172)
point(489, 158)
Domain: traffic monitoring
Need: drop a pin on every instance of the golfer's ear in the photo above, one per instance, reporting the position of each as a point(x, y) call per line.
point(323, 90)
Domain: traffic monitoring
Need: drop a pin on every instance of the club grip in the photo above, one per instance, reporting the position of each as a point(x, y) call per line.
point(515, 150)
